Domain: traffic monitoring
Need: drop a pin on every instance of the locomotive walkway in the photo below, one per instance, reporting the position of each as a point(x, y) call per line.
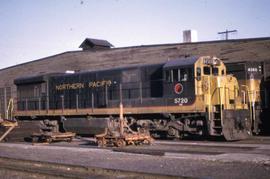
point(164, 159)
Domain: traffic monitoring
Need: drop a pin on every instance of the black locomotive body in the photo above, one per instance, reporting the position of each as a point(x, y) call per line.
point(140, 86)
point(169, 99)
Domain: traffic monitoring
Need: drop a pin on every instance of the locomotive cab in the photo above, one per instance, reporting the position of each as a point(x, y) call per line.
point(203, 82)
point(179, 81)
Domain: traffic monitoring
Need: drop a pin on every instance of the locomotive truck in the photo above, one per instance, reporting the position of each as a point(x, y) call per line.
point(182, 97)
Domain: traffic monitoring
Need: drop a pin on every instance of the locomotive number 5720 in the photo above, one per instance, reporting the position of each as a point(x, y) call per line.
point(180, 101)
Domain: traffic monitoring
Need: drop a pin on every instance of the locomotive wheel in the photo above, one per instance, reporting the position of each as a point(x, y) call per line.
point(49, 140)
point(147, 142)
point(6, 139)
point(101, 142)
point(173, 132)
point(130, 143)
point(70, 140)
point(120, 143)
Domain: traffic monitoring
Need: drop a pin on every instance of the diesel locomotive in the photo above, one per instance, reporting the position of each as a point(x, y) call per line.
point(249, 76)
point(182, 97)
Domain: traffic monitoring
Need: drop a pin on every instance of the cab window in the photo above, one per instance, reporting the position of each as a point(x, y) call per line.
point(172, 75)
point(175, 75)
point(215, 71)
point(198, 71)
point(206, 70)
point(184, 74)
point(168, 76)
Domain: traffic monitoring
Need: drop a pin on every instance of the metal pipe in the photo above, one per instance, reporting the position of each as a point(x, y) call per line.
point(26, 104)
point(47, 96)
point(121, 112)
point(92, 101)
point(62, 101)
point(106, 95)
point(5, 100)
point(141, 92)
point(77, 102)
point(39, 105)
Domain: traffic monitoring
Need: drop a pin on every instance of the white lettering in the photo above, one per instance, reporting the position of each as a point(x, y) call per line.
point(180, 101)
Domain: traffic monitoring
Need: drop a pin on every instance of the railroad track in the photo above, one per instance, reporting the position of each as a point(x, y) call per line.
point(161, 147)
point(11, 168)
point(164, 159)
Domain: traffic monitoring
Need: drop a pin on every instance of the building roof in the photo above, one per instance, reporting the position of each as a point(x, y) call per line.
point(234, 49)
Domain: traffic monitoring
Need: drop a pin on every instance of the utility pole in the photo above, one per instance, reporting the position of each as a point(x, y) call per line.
point(227, 33)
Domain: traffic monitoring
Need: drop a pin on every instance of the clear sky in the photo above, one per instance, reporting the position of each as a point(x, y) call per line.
point(33, 29)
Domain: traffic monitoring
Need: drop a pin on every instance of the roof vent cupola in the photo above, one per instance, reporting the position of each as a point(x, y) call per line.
point(95, 44)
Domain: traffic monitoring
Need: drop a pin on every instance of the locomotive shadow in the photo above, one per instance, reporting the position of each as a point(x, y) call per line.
point(196, 138)
point(87, 141)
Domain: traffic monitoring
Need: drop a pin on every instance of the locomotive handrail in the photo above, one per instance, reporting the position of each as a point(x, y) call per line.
point(251, 102)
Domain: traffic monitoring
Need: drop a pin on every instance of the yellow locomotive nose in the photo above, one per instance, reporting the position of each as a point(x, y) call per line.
point(227, 113)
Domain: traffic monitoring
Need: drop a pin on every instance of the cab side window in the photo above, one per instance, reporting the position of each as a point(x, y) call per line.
point(172, 75)
point(184, 74)
point(198, 72)
point(168, 75)
point(175, 75)
point(222, 72)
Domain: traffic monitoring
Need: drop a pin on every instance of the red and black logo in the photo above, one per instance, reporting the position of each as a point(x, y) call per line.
point(178, 88)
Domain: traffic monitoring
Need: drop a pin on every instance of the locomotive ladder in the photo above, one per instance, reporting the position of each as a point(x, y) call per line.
point(217, 123)
point(217, 113)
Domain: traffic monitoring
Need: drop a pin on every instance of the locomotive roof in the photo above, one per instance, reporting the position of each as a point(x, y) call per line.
point(184, 61)
point(117, 68)
point(44, 77)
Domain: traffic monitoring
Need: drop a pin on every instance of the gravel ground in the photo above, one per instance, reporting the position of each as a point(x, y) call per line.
point(241, 161)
